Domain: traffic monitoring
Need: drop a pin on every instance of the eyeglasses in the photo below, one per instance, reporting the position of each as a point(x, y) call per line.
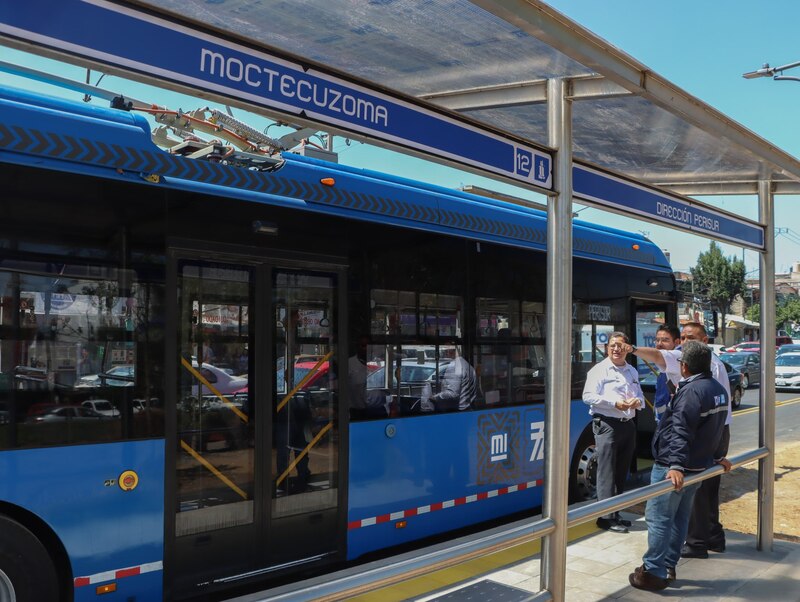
point(616, 346)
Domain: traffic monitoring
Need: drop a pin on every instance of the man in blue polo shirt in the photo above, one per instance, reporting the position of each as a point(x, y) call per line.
point(687, 437)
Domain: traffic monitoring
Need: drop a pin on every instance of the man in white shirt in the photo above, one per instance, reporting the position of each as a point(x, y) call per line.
point(705, 530)
point(613, 395)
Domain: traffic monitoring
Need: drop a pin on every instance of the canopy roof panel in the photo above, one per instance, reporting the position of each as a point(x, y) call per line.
point(488, 59)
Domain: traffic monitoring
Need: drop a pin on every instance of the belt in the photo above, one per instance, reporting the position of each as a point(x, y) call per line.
point(604, 417)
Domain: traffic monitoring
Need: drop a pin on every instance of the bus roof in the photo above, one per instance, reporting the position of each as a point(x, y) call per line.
point(115, 144)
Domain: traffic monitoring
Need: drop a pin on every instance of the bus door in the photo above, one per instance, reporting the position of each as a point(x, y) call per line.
point(255, 463)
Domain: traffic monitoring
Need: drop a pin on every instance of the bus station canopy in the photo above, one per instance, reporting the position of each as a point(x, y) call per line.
point(489, 60)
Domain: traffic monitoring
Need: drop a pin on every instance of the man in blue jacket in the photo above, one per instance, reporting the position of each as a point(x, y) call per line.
point(685, 441)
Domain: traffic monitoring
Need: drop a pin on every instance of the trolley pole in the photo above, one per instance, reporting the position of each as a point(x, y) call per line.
point(559, 340)
point(766, 393)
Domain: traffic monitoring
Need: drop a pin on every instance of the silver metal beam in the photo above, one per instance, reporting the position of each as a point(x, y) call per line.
point(559, 337)
point(766, 393)
point(524, 93)
point(491, 97)
point(547, 24)
point(749, 187)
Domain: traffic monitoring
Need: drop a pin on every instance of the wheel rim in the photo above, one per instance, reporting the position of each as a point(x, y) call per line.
point(745, 381)
point(586, 478)
point(737, 398)
point(6, 589)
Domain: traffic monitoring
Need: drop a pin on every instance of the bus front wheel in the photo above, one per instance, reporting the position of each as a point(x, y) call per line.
point(27, 573)
point(583, 470)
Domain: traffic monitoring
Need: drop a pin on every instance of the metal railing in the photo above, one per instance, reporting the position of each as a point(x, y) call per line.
point(387, 572)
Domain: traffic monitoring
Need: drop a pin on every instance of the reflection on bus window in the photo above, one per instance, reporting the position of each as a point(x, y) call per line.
point(68, 357)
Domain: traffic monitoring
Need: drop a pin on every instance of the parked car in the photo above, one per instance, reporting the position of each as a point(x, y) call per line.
point(749, 346)
point(746, 362)
point(123, 375)
point(223, 382)
point(47, 412)
point(101, 406)
point(788, 348)
point(413, 375)
point(787, 371)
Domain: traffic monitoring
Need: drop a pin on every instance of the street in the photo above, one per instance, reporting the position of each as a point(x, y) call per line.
point(744, 430)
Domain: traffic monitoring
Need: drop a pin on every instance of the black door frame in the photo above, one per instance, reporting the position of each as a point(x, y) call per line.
point(264, 261)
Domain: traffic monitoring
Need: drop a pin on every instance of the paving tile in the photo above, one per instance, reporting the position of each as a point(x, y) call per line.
point(591, 566)
point(509, 577)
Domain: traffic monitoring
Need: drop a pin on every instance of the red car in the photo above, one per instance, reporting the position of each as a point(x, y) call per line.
point(752, 346)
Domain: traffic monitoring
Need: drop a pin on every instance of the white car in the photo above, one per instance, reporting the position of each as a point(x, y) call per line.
point(225, 383)
point(118, 376)
point(787, 371)
point(101, 406)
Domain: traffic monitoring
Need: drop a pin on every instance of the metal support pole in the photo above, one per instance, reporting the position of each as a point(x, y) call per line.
point(559, 341)
point(766, 393)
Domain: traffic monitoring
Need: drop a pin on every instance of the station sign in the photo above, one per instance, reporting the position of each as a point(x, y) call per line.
point(633, 200)
point(135, 40)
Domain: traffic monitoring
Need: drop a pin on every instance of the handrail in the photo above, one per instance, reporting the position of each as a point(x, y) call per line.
point(383, 573)
point(584, 513)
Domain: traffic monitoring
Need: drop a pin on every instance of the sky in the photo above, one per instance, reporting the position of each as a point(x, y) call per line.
point(701, 46)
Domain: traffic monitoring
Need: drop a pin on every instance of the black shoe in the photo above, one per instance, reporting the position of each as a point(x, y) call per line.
point(641, 579)
point(671, 576)
point(611, 525)
point(688, 552)
point(624, 522)
point(719, 549)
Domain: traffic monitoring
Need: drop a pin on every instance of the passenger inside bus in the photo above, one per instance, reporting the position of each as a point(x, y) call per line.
point(459, 388)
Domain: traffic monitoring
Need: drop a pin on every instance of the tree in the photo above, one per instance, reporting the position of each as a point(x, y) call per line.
point(718, 278)
point(753, 313)
point(788, 313)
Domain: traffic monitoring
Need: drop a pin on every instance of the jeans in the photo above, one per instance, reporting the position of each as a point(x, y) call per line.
point(667, 519)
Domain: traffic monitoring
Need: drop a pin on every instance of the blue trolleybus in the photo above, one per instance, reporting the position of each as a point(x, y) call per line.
point(220, 367)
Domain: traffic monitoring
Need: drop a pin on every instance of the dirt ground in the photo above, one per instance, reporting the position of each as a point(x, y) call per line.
point(738, 496)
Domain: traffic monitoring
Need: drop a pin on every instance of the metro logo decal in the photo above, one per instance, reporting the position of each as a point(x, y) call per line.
point(499, 452)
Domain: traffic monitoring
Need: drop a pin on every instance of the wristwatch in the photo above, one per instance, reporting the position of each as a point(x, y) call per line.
point(633, 348)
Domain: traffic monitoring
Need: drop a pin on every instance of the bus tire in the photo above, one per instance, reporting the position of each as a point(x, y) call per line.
point(583, 469)
point(27, 573)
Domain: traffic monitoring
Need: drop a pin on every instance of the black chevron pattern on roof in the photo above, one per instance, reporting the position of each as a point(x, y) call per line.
point(83, 150)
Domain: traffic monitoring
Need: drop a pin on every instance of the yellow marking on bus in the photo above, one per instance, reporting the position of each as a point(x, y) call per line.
point(303, 382)
point(213, 469)
point(448, 576)
point(302, 454)
point(213, 389)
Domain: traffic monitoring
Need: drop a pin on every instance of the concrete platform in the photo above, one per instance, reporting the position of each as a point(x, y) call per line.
point(598, 566)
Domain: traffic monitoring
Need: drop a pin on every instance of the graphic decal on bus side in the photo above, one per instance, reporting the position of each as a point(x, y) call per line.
point(499, 451)
point(510, 448)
